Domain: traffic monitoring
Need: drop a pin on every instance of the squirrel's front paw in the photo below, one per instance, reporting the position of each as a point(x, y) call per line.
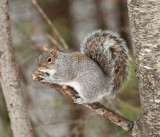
point(79, 100)
point(43, 75)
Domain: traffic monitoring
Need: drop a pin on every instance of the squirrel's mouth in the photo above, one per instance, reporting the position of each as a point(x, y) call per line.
point(42, 68)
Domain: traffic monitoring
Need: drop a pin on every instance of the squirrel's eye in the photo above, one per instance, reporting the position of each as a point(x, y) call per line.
point(49, 60)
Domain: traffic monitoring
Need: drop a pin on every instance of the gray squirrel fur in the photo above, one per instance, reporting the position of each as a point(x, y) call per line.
point(95, 72)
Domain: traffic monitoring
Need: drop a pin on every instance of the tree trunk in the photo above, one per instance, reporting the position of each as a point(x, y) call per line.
point(145, 28)
point(10, 81)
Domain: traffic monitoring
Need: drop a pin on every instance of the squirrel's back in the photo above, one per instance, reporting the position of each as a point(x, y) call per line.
point(110, 52)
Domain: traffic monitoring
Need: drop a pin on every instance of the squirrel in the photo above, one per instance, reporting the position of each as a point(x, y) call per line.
point(95, 72)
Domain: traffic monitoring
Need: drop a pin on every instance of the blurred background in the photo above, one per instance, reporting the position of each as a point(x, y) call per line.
point(52, 114)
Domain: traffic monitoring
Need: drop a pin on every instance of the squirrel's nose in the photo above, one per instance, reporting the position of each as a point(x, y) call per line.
point(41, 68)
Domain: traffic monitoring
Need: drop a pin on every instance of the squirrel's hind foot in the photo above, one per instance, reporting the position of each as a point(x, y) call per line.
point(79, 101)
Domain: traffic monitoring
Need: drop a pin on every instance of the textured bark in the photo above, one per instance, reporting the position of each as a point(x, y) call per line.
point(10, 81)
point(145, 28)
point(97, 107)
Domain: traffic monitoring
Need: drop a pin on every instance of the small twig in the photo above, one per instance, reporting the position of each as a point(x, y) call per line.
point(97, 107)
point(50, 23)
point(54, 42)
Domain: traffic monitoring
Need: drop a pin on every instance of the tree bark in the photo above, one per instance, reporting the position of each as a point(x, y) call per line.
point(9, 78)
point(145, 29)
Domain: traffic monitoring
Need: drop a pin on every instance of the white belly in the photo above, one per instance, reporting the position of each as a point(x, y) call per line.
point(74, 85)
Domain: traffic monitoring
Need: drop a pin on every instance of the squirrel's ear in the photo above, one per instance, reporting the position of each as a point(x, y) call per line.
point(44, 48)
point(54, 51)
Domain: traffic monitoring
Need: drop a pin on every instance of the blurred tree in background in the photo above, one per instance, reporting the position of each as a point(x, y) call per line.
point(53, 115)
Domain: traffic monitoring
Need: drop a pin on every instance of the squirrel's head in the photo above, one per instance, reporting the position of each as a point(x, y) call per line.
point(47, 58)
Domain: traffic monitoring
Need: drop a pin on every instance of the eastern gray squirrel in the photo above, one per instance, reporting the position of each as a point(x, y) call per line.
point(95, 72)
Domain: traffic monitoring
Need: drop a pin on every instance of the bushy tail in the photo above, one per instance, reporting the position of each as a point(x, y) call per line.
point(110, 52)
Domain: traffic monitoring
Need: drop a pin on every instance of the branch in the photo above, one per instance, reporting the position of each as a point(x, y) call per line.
point(9, 78)
point(97, 107)
point(50, 24)
point(54, 42)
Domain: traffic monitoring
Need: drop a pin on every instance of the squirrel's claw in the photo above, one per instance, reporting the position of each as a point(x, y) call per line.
point(41, 76)
point(79, 100)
